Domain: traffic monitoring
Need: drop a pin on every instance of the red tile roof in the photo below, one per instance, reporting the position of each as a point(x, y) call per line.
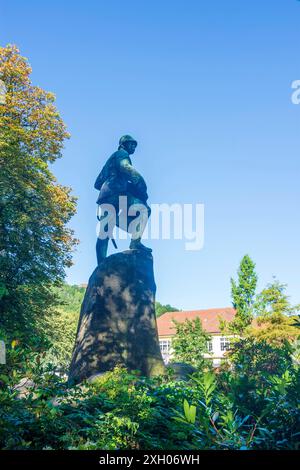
point(210, 319)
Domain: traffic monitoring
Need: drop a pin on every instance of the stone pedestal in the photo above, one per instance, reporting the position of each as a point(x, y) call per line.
point(117, 324)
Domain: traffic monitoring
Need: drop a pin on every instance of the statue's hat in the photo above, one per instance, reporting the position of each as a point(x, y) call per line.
point(127, 138)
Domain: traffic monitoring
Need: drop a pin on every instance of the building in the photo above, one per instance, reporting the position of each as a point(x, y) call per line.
point(210, 320)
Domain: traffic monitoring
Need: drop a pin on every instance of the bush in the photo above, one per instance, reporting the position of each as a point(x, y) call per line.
point(121, 410)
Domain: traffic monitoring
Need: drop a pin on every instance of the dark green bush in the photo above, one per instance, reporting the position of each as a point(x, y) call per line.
point(227, 410)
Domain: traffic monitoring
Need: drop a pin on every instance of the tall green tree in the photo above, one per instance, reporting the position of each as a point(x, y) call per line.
point(35, 242)
point(275, 316)
point(190, 343)
point(243, 293)
point(274, 299)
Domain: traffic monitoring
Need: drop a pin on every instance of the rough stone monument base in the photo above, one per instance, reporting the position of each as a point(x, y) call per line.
point(117, 324)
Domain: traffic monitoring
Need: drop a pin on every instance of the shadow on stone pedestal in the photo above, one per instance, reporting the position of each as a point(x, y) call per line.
point(181, 370)
point(117, 324)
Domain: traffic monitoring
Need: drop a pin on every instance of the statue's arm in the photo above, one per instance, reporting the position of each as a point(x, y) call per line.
point(132, 174)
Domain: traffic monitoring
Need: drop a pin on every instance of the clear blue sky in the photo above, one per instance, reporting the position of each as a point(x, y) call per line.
point(205, 87)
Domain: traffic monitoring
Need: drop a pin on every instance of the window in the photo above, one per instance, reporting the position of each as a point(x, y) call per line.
point(224, 344)
point(209, 346)
point(165, 345)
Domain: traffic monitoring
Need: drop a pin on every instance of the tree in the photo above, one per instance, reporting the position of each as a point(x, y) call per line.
point(243, 293)
point(69, 297)
point(255, 356)
point(65, 318)
point(35, 242)
point(190, 343)
point(161, 309)
point(273, 299)
point(275, 316)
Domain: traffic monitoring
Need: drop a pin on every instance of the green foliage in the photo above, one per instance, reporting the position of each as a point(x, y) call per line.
point(243, 293)
point(236, 413)
point(62, 325)
point(275, 317)
point(190, 343)
point(61, 333)
point(275, 328)
point(117, 411)
point(273, 299)
point(161, 309)
point(256, 357)
point(189, 412)
point(207, 385)
point(35, 242)
point(69, 297)
point(238, 408)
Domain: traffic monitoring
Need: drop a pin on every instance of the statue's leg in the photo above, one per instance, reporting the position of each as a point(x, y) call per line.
point(137, 231)
point(101, 249)
point(106, 224)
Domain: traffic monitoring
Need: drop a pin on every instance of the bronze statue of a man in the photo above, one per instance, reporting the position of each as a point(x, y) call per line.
point(117, 180)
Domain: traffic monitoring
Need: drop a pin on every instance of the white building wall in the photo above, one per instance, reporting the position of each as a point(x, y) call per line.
point(219, 344)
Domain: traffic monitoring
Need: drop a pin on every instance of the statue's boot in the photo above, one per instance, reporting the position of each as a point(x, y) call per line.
point(101, 249)
point(137, 245)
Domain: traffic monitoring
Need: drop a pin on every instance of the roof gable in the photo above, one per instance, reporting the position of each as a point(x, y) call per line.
point(210, 319)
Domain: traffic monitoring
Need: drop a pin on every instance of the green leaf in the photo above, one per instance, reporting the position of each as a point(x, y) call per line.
point(189, 412)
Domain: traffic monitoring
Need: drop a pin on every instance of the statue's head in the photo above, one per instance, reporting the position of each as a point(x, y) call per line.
point(128, 143)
